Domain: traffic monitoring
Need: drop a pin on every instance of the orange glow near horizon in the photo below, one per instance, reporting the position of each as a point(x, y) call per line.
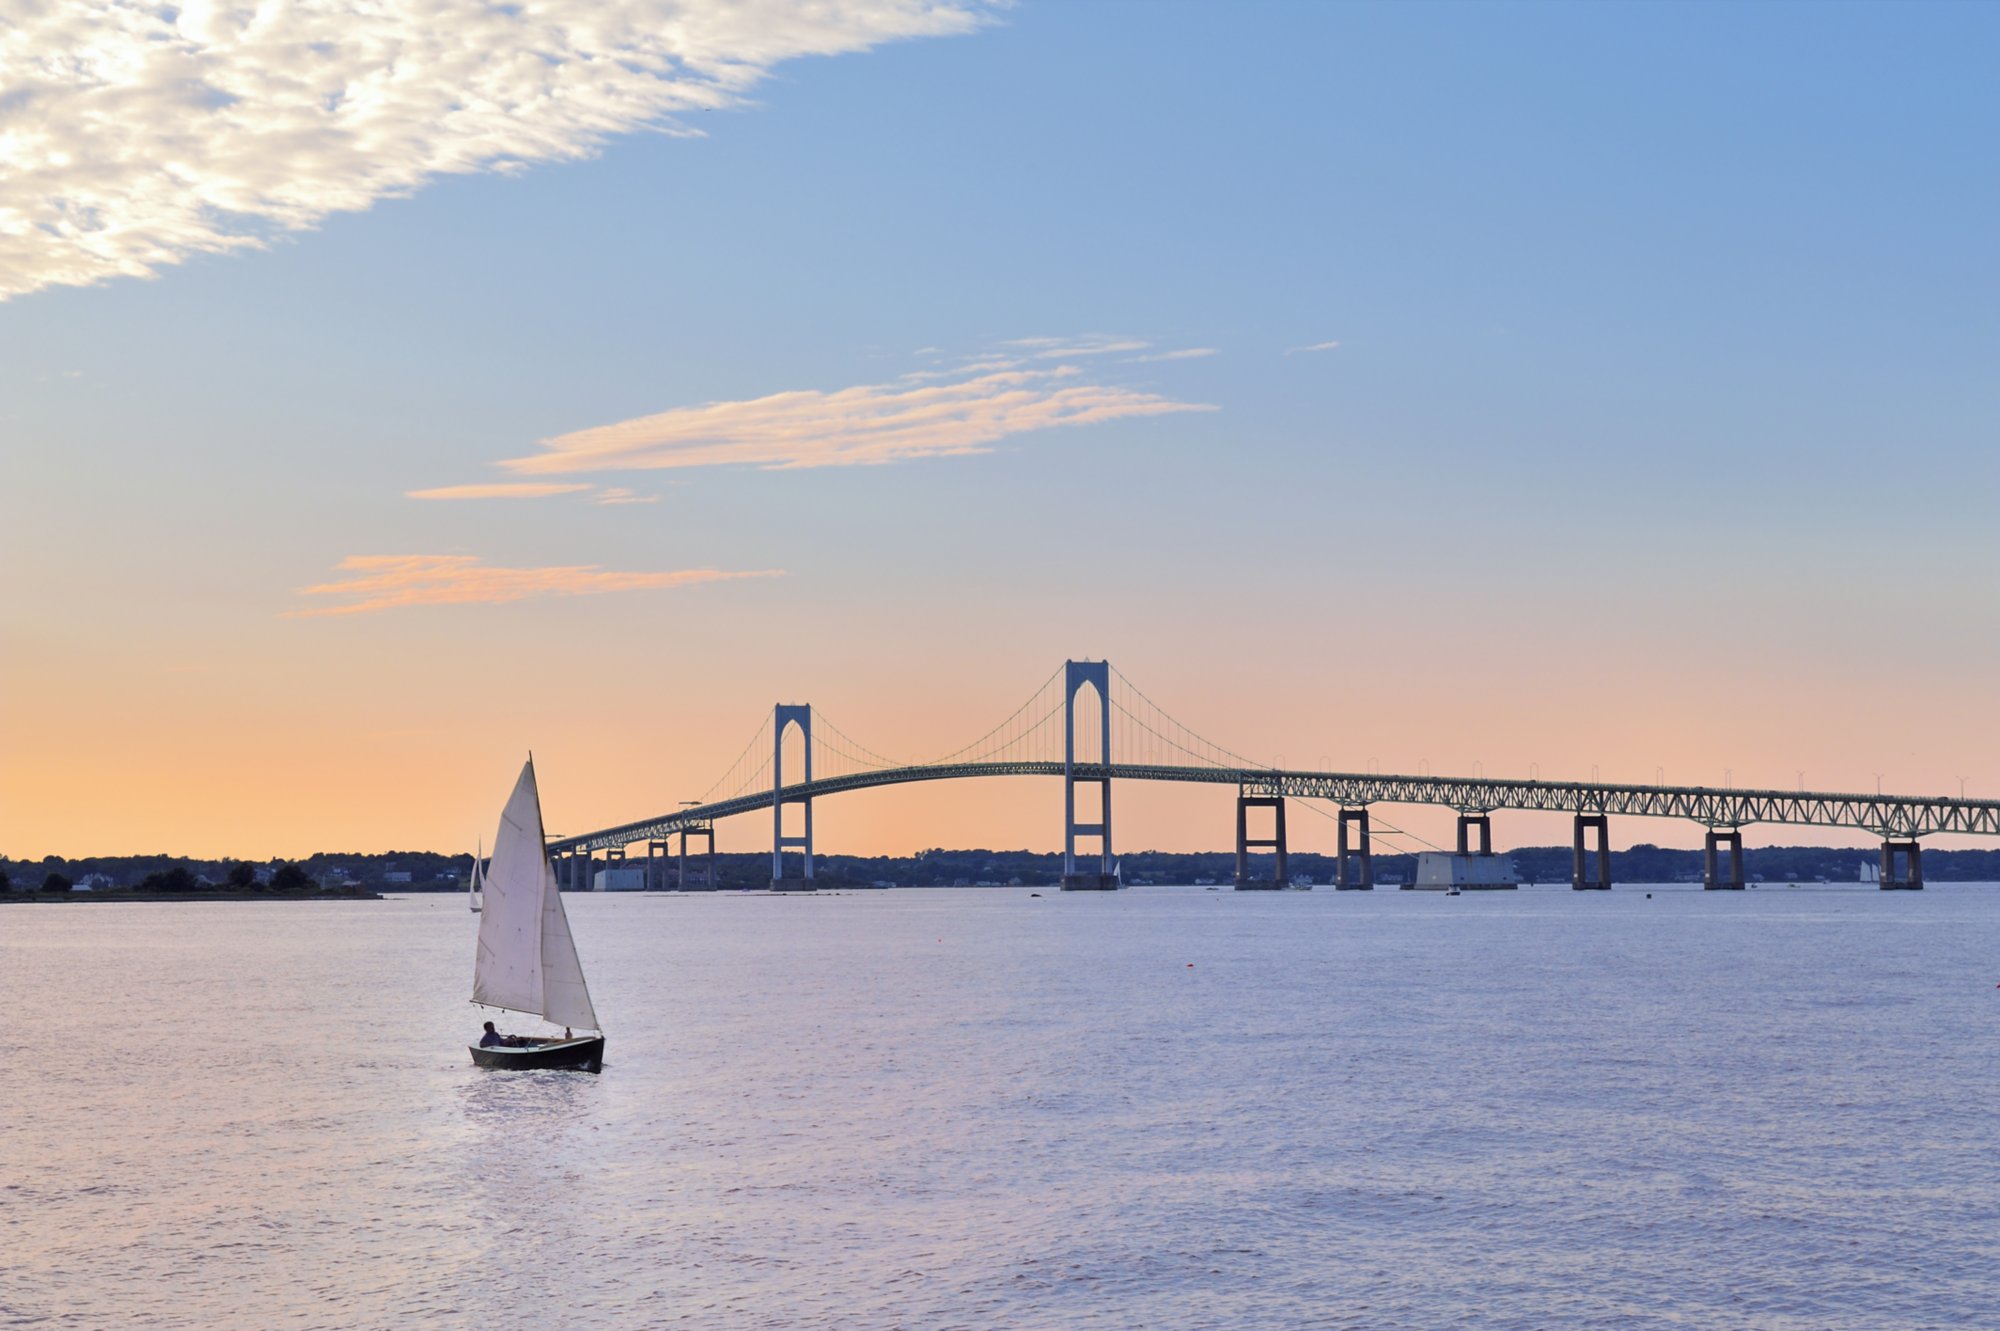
point(243, 759)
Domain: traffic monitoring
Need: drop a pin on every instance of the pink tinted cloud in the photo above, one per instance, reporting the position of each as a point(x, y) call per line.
point(867, 425)
point(388, 582)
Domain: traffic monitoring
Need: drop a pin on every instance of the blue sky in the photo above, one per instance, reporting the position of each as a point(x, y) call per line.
point(1663, 391)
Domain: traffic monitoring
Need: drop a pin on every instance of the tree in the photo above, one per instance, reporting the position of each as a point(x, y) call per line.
point(242, 878)
point(176, 879)
point(291, 878)
point(6, 883)
point(55, 882)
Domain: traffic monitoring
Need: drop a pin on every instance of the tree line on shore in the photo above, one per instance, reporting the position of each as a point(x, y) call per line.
point(418, 871)
point(169, 876)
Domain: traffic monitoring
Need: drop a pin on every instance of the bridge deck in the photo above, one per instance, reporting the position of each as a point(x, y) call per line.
point(1886, 815)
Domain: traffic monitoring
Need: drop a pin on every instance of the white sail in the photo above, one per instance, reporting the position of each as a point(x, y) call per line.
point(527, 960)
point(565, 999)
point(472, 888)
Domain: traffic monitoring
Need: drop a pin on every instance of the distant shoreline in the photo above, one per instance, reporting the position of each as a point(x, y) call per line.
point(114, 894)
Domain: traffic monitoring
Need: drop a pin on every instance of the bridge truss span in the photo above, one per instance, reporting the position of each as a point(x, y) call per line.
point(1885, 815)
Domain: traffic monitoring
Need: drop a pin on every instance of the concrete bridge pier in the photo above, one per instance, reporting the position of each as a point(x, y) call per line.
point(657, 853)
point(1733, 838)
point(1281, 877)
point(1353, 870)
point(708, 883)
point(1466, 823)
point(786, 716)
point(1912, 879)
point(1580, 879)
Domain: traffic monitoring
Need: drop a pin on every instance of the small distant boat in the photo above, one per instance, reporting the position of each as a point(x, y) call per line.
point(1870, 873)
point(1453, 891)
point(527, 959)
point(472, 888)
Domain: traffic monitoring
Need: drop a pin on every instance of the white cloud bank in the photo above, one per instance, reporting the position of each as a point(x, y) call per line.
point(133, 136)
point(868, 425)
point(388, 582)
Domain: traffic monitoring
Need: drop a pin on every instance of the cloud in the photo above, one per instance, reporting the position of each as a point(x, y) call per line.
point(134, 136)
point(1317, 346)
point(1066, 348)
point(499, 490)
point(618, 494)
point(868, 425)
point(1191, 353)
point(387, 582)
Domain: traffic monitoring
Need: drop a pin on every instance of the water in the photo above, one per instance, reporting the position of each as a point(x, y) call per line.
point(980, 1109)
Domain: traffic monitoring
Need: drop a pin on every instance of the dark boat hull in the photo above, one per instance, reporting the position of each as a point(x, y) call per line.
point(580, 1055)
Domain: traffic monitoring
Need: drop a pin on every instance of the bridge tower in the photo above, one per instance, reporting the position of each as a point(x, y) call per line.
point(783, 718)
point(1096, 675)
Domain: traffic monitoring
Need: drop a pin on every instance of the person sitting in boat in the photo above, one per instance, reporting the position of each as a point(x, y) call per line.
point(493, 1037)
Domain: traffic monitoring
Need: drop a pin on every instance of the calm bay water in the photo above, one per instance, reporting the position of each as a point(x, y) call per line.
point(983, 1109)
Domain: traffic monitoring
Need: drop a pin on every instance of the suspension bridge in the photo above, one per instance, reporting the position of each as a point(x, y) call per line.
point(1090, 726)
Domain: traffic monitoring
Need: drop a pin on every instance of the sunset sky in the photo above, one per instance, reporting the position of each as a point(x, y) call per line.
point(389, 390)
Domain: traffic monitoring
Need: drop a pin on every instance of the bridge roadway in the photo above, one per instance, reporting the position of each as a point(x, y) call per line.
point(1886, 815)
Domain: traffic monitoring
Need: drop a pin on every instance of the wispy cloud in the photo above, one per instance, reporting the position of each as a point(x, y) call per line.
point(133, 136)
point(867, 425)
point(500, 490)
point(618, 494)
point(388, 582)
point(1068, 348)
point(1317, 346)
point(1188, 353)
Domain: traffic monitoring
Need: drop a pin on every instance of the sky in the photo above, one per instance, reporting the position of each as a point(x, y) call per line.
point(389, 390)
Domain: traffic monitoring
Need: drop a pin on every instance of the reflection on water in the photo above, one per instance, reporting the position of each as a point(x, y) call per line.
point(984, 1109)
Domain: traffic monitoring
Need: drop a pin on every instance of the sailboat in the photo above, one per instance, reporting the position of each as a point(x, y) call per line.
point(472, 888)
point(527, 960)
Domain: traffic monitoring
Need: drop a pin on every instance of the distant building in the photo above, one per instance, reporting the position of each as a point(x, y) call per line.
point(396, 876)
point(619, 880)
point(94, 882)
